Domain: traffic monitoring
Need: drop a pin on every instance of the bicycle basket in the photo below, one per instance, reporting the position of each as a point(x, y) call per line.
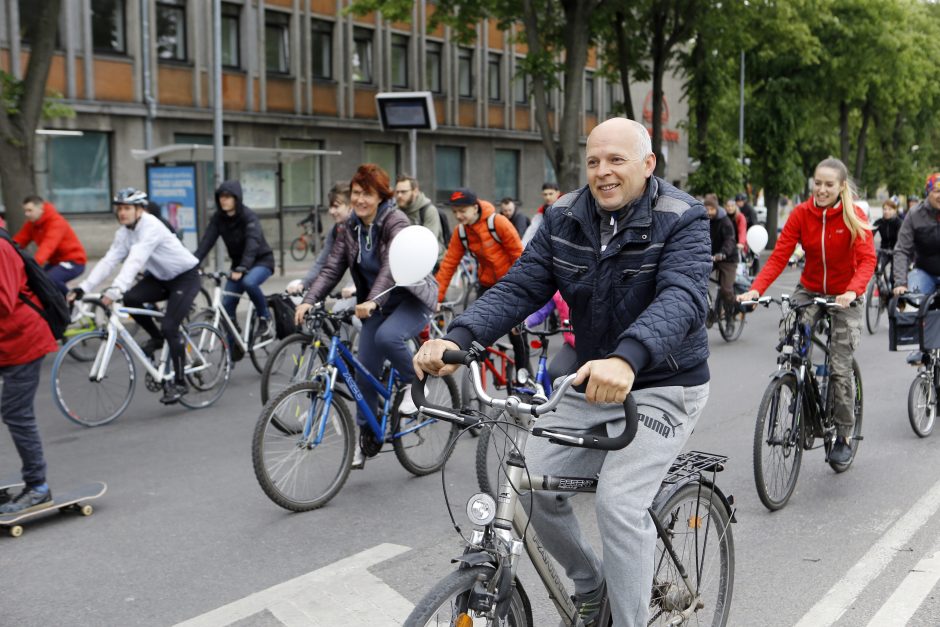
point(282, 312)
point(916, 325)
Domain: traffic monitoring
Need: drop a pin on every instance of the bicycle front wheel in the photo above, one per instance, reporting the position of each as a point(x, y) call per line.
point(292, 361)
point(422, 444)
point(873, 306)
point(302, 457)
point(698, 526)
point(298, 249)
point(208, 365)
point(448, 602)
point(778, 445)
point(92, 316)
point(86, 400)
point(730, 321)
point(922, 405)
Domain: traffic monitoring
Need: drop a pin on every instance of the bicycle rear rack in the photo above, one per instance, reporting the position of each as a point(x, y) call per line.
point(694, 463)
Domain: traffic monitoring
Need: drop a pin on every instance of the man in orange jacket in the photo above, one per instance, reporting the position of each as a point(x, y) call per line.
point(493, 241)
point(58, 250)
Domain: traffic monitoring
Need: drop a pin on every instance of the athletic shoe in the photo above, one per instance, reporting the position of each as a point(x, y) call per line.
point(588, 605)
point(173, 392)
point(30, 499)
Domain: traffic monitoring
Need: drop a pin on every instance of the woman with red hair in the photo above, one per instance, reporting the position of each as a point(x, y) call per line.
point(388, 319)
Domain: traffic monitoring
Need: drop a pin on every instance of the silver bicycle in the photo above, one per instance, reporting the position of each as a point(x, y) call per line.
point(93, 394)
point(694, 562)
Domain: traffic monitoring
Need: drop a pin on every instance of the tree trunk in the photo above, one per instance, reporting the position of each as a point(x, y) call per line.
point(702, 108)
point(867, 111)
point(578, 16)
point(772, 202)
point(623, 63)
point(844, 131)
point(539, 94)
point(659, 54)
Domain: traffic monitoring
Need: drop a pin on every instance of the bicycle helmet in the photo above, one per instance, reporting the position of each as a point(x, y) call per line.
point(130, 196)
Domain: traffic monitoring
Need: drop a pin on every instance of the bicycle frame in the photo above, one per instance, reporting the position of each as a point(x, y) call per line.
point(221, 316)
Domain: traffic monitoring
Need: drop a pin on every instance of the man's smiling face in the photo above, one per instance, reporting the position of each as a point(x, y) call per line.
point(616, 169)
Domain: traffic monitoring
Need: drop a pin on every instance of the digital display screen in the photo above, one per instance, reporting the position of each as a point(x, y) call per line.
point(406, 111)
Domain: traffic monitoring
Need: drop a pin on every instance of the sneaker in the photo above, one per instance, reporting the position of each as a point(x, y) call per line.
point(265, 329)
point(841, 452)
point(359, 459)
point(588, 605)
point(30, 499)
point(407, 406)
point(151, 346)
point(5, 496)
point(236, 351)
point(915, 358)
point(173, 392)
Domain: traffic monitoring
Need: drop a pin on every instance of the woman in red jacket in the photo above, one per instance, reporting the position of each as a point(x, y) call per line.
point(840, 259)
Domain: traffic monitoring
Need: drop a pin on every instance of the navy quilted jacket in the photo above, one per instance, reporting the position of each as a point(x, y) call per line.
point(643, 299)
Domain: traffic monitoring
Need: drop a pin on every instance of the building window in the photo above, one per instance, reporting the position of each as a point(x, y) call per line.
point(107, 25)
point(321, 39)
point(277, 42)
point(205, 140)
point(465, 72)
point(303, 181)
point(550, 172)
point(399, 61)
point(590, 102)
point(231, 15)
point(29, 13)
point(361, 62)
point(433, 64)
point(506, 173)
point(520, 87)
point(80, 172)
point(448, 171)
point(494, 74)
point(383, 155)
point(171, 29)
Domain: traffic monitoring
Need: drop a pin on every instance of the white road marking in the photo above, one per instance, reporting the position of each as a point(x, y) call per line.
point(343, 593)
point(840, 597)
point(903, 602)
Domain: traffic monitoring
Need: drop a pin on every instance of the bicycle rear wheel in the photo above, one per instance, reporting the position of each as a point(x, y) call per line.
point(422, 444)
point(778, 445)
point(857, 410)
point(295, 470)
point(208, 365)
point(448, 602)
point(922, 405)
point(493, 447)
point(291, 361)
point(730, 321)
point(698, 526)
point(298, 249)
point(86, 401)
point(873, 306)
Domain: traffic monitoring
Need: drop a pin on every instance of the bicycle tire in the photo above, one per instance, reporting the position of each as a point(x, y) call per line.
point(872, 307)
point(260, 348)
point(92, 403)
point(729, 324)
point(857, 428)
point(786, 445)
point(207, 381)
point(423, 444)
point(291, 361)
point(495, 441)
point(279, 455)
point(448, 600)
point(94, 317)
point(298, 249)
point(683, 519)
point(922, 405)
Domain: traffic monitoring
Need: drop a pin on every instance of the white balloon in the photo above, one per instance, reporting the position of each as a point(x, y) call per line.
point(412, 254)
point(757, 238)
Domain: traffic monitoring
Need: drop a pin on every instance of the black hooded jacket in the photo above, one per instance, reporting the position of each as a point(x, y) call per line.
point(241, 233)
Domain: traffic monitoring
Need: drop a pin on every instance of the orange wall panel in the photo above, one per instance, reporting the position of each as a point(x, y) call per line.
point(280, 94)
point(497, 116)
point(521, 46)
point(324, 7)
point(467, 114)
point(365, 104)
point(590, 121)
point(287, 4)
point(522, 119)
point(175, 85)
point(56, 79)
point(233, 91)
point(440, 110)
point(368, 18)
point(439, 31)
point(324, 99)
point(5, 60)
point(494, 36)
point(114, 80)
point(592, 57)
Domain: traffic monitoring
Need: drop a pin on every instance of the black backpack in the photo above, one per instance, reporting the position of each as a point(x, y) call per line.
point(54, 310)
point(445, 223)
point(282, 312)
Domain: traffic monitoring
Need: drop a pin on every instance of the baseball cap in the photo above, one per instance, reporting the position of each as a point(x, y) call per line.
point(741, 197)
point(463, 197)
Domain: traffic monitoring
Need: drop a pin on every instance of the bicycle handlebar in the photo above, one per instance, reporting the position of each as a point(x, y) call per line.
point(514, 405)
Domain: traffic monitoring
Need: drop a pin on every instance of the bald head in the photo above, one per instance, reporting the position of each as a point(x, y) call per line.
point(619, 161)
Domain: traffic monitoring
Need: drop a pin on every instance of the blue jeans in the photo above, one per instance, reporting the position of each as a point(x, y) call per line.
point(62, 273)
point(383, 336)
point(250, 282)
point(16, 409)
point(922, 282)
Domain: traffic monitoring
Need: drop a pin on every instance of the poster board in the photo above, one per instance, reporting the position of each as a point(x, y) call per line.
point(173, 187)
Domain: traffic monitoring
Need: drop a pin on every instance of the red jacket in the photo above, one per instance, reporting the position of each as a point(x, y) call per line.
point(54, 237)
point(834, 263)
point(24, 334)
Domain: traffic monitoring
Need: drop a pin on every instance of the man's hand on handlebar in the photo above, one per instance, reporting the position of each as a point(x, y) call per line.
point(429, 359)
point(300, 312)
point(74, 294)
point(609, 380)
point(844, 300)
point(900, 289)
point(748, 295)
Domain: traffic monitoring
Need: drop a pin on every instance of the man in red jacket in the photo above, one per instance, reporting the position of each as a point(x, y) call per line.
point(58, 250)
point(25, 339)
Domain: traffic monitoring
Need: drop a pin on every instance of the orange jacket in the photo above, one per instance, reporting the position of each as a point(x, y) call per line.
point(54, 237)
point(493, 258)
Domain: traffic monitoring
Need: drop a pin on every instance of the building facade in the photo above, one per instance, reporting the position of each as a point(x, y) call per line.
point(296, 74)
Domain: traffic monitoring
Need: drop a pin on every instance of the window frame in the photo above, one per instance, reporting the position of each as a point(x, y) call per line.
point(282, 22)
point(465, 58)
point(590, 93)
point(434, 49)
point(442, 193)
point(180, 6)
point(233, 12)
point(401, 43)
point(120, 5)
point(522, 78)
point(295, 143)
point(108, 189)
point(321, 28)
point(494, 60)
point(497, 168)
point(358, 37)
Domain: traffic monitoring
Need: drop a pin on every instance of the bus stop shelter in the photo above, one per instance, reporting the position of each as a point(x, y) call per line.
point(178, 178)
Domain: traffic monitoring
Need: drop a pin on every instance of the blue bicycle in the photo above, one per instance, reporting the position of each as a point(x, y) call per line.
point(304, 441)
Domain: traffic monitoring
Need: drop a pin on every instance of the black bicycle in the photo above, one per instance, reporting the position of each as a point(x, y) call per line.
point(796, 409)
point(915, 319)
point(729, 317)
point(878, 292)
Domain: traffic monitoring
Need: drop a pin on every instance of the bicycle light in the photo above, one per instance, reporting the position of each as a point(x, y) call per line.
point(481, 509)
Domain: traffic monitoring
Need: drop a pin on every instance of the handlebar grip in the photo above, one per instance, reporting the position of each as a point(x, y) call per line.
point(417, 395)
point(455, 357)
point(587, 440)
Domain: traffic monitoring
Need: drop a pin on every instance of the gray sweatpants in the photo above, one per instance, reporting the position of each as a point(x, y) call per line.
point(629, 480)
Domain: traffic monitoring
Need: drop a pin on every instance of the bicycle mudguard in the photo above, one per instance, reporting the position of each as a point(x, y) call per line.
point(476, 558)
point(667, 490)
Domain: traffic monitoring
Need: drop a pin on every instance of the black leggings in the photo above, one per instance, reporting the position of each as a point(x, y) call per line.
point(179, 294)
point(520, 350)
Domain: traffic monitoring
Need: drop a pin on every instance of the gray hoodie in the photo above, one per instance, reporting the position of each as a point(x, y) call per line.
point(422, 211)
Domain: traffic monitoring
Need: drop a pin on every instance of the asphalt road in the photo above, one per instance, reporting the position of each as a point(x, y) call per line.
point(184, 528)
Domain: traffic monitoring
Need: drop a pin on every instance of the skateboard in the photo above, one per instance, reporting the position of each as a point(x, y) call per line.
point(68, 501)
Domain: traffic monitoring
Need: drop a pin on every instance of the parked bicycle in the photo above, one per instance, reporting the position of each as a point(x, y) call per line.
point(878, 292)
point(94, 395)
point(244, 338)
point(303, 443)
point(797, 407)
point(693, 578)
point(300, 246)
